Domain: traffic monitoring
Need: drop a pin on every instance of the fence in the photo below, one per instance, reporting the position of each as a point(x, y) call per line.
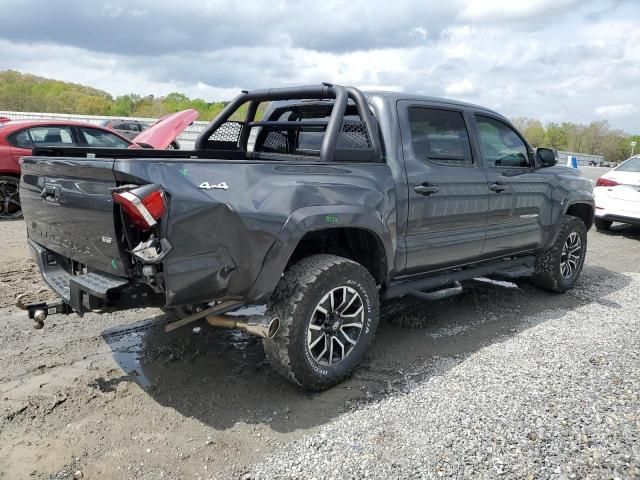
point(582, 158)
point(188, 136)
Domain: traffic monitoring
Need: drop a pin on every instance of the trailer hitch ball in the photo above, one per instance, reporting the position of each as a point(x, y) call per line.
point(39, 317)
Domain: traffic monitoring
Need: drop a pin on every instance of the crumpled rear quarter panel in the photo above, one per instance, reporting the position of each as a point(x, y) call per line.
point(220, 238)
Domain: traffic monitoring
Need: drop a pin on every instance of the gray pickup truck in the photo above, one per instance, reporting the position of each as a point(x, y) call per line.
point(334, 200)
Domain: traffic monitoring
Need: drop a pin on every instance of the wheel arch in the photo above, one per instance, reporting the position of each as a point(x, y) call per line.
point(583, 210)
point(582, 207)
point(351, 231)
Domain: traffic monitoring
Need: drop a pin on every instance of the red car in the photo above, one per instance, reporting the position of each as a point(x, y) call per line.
point(19, 137)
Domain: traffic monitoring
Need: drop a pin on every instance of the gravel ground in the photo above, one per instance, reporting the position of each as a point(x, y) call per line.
point(505, 377)
point(560, 399)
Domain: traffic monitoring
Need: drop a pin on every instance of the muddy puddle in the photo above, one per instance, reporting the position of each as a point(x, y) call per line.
point(222, 377)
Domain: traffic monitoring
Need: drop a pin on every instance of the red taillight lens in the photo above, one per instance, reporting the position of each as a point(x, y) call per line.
point(605, 182)
point(143, 206)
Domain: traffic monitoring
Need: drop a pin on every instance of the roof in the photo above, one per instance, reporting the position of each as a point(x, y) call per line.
point(392, 97)
point(13, 125)
point(397, 96)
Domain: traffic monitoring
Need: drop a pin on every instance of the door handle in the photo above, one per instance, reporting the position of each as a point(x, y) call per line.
point(426, 189)
point(498, 187)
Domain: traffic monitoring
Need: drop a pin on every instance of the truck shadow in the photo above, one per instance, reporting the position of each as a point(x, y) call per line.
point(221, 377)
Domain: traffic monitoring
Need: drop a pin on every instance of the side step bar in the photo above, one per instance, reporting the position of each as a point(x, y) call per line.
point(454, 289)
point(411, 287)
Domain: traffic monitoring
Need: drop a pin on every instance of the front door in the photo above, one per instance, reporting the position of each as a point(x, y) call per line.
point(447, 188)
point(519, 195)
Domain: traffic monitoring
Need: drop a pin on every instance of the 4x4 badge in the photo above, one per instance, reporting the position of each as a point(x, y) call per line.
point(213, 186)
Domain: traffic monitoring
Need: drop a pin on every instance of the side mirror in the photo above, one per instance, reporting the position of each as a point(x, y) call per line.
point(546, 157)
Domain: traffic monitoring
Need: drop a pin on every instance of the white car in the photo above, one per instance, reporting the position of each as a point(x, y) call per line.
point(617, 195)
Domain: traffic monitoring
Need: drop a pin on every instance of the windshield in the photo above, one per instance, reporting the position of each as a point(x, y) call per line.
point(631, 165)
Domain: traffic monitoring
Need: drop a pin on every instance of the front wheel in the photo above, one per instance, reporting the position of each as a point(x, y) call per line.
point(328, 308)
point(558, 268)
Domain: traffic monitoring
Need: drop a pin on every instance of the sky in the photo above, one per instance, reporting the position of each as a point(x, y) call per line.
point(555, 60)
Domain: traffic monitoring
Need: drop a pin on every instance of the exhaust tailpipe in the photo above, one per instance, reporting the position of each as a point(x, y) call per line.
point(257, 325)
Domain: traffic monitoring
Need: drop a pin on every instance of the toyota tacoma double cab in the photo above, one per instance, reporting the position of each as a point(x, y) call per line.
point(334, 200)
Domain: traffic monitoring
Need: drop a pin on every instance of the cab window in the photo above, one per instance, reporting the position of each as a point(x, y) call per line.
point(500, 145)
point(440, 136)
point(307, 139)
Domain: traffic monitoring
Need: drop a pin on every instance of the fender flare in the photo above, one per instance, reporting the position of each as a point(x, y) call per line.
point(316, 218)
point(567, 202)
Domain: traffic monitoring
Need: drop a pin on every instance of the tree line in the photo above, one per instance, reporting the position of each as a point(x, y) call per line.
point(29, 93)
point(23, 92)
point(596, 138)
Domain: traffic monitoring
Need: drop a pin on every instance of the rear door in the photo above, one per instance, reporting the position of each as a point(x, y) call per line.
point(519, 195)
point(447, 188)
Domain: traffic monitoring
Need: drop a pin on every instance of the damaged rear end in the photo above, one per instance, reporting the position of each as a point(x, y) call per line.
point(103, 233)
point(80, 226)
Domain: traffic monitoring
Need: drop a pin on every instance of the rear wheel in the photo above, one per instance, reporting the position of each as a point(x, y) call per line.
point(10, 207)
point(602, 224)
point(558, 268)
point(328, 307)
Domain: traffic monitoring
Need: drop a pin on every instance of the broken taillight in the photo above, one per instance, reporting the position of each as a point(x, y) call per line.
point(143, 206)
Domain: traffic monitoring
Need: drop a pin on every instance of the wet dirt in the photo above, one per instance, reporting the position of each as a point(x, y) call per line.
point(114, 396)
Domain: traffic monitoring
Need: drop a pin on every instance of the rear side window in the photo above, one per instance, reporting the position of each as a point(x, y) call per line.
point(100, 138)
point(120, 126)
point(500, 145)
point(440, 136)
point(51, 136)
point(21, 139)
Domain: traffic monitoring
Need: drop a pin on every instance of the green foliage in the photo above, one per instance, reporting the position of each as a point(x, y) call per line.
point(597, 138)
point(29, 93)
point(24, 92)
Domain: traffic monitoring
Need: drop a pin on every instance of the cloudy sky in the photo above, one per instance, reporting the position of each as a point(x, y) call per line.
point(556, 60)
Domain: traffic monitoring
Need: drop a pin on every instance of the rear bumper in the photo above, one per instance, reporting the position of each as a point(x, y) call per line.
point(89, 291)
point(615, 209)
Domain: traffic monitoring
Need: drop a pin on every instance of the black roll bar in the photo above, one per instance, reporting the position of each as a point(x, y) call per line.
point(320, 92)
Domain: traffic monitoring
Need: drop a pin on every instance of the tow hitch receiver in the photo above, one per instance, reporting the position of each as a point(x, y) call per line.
point(38, 312)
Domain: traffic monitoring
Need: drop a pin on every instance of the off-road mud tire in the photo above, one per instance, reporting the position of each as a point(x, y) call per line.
point(294, 301)
point(547, 267)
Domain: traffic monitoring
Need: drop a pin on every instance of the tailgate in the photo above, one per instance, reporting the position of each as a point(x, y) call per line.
point(68, 209)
